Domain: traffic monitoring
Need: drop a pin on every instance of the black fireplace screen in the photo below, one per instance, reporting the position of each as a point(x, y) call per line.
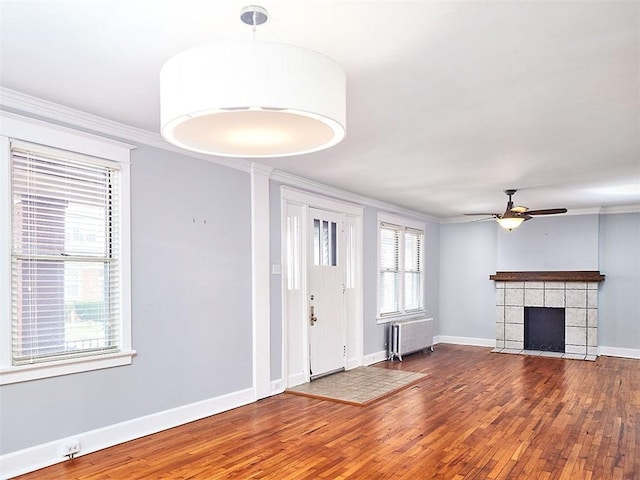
point(544, 329)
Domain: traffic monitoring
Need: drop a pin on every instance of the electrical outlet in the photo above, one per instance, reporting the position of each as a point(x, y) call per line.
point(71, 448)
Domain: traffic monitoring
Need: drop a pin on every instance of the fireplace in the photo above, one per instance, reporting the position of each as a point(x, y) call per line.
point(571, 295)
point(544, 329)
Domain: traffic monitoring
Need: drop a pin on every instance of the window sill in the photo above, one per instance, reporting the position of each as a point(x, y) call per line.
point(401, 318)
point(25, 373)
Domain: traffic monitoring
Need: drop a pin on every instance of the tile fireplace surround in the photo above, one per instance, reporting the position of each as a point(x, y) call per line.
point(576, 292)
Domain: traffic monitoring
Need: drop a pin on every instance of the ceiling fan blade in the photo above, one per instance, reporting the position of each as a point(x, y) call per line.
point(548, 211)
point(485, 213)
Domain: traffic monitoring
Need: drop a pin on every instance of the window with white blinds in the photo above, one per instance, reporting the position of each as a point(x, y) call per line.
point(65, 256)
point(401, 272)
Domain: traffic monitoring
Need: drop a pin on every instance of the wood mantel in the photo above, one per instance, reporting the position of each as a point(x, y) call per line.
point(549, 276)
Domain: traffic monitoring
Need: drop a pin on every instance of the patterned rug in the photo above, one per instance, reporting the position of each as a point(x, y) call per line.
point(361, 386)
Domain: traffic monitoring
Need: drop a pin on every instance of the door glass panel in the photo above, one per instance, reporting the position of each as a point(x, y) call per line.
point(325, 242)
point(334, 250)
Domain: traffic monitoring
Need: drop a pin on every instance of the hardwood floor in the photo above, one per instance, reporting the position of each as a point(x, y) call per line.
point(477, 415)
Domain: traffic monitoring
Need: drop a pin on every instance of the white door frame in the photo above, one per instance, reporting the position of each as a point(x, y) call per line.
point(295, 303)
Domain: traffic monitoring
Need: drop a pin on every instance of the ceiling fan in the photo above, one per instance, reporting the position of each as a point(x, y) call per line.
point(514, 216)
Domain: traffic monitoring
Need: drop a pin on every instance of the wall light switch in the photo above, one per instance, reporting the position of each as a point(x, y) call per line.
point(276, 269)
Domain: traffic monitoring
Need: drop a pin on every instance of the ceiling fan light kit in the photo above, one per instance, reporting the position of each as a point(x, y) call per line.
point(252, 99)
point(509, 223)
point(513, 216)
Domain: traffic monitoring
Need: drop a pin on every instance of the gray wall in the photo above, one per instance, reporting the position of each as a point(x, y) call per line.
point(619, 297)
point(432, 272)
point(550, 243)
point(467, 296)
point(191, 312)
point(470, 252)
point(374, 334)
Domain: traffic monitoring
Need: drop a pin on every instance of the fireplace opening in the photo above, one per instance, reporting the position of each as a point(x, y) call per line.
point(544, 329)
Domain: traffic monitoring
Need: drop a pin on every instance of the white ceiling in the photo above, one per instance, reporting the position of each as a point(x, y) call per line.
point(448, 103)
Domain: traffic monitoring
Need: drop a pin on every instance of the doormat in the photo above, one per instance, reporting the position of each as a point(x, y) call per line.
point(361, 386)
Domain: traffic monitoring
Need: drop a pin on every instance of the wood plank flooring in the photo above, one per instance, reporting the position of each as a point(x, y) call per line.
point(478, 415)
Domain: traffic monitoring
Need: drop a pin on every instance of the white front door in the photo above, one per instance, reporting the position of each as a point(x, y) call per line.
point(326, 318)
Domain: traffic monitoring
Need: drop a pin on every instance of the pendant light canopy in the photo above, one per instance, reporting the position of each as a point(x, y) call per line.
point(252, 99)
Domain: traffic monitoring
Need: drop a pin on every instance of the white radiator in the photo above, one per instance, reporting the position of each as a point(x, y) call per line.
point(411, 336)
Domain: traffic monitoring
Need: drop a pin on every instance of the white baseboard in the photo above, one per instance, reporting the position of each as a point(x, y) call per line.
point(374, 358)
point(277, 386)
point(296, 379)
point(40, 456)
point(476, 342)
point(619, 352)
point(488, 342)
point(353, 363)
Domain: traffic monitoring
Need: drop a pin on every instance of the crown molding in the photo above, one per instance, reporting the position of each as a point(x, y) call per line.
point(18, 102)
point(34, 106)
point(261, 169)
point(338, 194)
point(575, 211)
point(27, 104)
point(620, 209)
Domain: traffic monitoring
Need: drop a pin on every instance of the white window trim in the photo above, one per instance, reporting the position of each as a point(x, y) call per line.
point(405, 223)
point(21, 128)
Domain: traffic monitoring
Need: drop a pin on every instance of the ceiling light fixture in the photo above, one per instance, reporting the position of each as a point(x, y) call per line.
point(252, 99)
point(509, 223)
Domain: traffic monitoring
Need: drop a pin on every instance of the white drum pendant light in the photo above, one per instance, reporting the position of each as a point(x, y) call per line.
point(252, 99)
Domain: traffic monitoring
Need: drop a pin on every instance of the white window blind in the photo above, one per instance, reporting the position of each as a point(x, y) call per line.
point(389, 269)
point(413, 297)
point(65, 256)
point(401, 270)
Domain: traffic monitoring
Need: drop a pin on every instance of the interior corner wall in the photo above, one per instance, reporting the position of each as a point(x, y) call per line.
point(191, 308)
point(375, 334)
point(432, 272)
point(619, 296)
point(467, 296)
point(470, 252)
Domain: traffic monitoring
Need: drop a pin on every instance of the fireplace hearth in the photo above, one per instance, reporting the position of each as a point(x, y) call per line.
point(575, 294)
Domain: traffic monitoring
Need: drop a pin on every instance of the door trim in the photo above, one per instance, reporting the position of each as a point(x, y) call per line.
point(295, 363)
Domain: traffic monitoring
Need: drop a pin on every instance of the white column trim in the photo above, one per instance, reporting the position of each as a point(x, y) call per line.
point(260, 305)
